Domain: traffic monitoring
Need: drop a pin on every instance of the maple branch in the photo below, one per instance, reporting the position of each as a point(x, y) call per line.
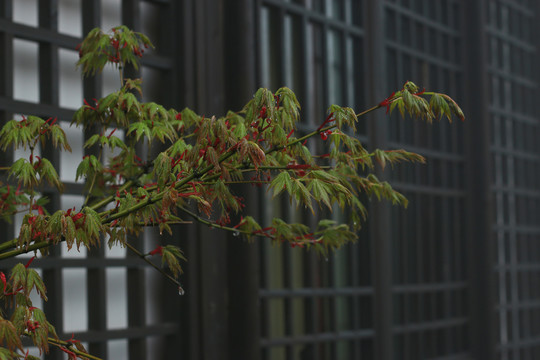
point(158, 197)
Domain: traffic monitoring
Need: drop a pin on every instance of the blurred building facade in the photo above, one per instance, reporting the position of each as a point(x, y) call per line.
point(455, 276)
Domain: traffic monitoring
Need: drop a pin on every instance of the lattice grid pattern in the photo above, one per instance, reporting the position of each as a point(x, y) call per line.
point(314, 308)
point(516, 165)
point(93, 292)
point(428, 239)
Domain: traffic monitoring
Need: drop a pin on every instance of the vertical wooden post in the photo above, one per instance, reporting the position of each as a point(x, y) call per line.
point(380, 212)
point(96, 282)
point(479, 203)
point(243, 284)
point(209, 85)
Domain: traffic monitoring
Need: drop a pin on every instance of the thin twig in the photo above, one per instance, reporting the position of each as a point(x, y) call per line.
point(175, 222)
point(93, 180)
point(68, 346)
point(210, 223)
point(110, 198)
point(32, 193)
point(317, 132)
point(143, 256)
point(24, 250)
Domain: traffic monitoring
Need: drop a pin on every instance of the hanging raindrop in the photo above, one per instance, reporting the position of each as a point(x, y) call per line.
point(181, 291)
point(326, 259)
point(236, 233)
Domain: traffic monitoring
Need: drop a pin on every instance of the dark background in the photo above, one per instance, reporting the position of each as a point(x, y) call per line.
point(455, 276)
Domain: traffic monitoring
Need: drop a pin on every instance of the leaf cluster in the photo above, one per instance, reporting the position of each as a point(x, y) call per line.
point(121, 46)
point(411, 100)
point(30, 130)
point(25, 320)
point(11, 200)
